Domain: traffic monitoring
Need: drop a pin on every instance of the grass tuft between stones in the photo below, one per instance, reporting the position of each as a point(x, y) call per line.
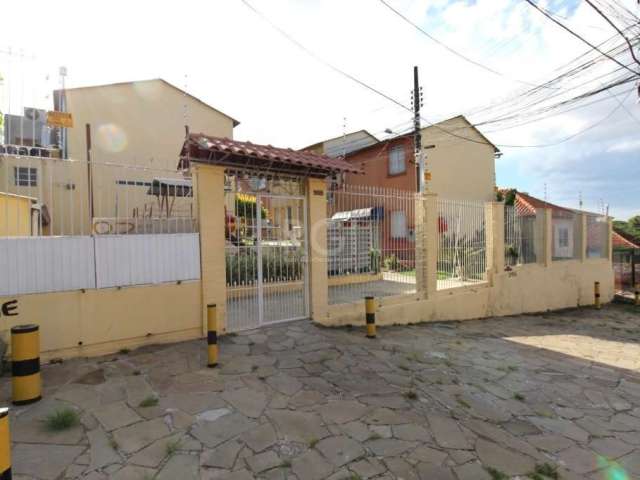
point(496, 474)
point(410, 395)
point(544, 471)
point(173, 446)
point(62, 419)
point(150, 401)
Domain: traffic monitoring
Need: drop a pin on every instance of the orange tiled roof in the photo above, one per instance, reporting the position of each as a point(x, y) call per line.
point(620, 242)
point(199, 147)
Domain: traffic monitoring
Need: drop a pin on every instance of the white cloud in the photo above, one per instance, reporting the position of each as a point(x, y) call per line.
point(625, 146)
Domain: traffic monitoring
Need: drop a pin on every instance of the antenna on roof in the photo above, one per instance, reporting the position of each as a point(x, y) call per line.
point(344, 137)
point(580, 200)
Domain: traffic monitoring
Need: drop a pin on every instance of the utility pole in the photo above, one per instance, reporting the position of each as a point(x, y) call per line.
point(418, 154)
point(63, 108)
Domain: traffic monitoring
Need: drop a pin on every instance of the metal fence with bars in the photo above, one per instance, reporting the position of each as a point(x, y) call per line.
point(519, 237)
point(626, 268)
point(566, 232)
point(370, 242)
point(597, 234)
point(462, 246)
point(71, 197)
point(67, 225)
point(265, 251)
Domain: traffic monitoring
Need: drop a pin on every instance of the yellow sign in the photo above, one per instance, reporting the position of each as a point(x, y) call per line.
point(59, 119)
point(427, 176)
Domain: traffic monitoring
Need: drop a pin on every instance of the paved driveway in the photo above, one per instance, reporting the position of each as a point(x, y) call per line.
point(495, 398)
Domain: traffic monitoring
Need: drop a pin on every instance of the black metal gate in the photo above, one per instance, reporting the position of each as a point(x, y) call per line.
point(626, 265)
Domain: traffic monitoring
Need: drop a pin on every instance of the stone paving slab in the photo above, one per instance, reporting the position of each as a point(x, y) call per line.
point(473, 400)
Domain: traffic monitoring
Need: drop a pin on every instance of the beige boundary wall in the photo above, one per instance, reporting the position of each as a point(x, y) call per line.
point(526, 289)
point(97, 322)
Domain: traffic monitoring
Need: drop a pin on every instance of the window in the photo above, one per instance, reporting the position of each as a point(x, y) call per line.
point(25, 176)
point(563, 237)
point(396, 160)
point(398, 225)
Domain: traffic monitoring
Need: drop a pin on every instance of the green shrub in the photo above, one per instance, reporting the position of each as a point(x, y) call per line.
point(391, 262)
point(374, 260)
point(280, 264)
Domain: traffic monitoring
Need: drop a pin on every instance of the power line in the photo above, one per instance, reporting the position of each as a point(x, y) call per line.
point(563, 26)
point(396, 102)
point(608, 20)
point(530, 94)
point(451, 50)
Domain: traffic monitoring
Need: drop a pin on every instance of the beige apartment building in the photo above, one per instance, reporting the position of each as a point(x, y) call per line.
point(462, 162)
point(136, 130)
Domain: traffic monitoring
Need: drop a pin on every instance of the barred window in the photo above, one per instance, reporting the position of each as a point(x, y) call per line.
point(396, 160)
point(25, 176)
point(398, 224)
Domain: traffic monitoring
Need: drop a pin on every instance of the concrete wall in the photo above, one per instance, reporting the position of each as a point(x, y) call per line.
point(527, 289)
point(96, 322)
point(209, 194)
point(15, 215)
point(460, 169)
point(546, 285)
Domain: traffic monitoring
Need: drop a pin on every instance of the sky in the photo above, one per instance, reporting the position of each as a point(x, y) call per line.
point(225, 54)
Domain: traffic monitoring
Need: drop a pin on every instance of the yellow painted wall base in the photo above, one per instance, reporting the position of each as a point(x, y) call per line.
point(527, 289)
point(98, 322)
point(339, 280)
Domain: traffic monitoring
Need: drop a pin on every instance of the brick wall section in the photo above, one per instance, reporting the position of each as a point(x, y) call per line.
point(374, 161)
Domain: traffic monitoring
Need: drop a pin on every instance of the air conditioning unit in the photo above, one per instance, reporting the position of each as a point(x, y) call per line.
point(35, 114)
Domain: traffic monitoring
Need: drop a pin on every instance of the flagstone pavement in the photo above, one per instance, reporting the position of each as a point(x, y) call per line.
point(474, 400)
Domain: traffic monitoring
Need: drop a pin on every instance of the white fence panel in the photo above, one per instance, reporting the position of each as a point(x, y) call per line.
point(46, 264)
point(142, 259)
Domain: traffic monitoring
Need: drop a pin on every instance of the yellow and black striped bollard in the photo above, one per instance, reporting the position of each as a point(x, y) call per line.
point(5, 445)
point(370, 314)
point(596, 292)
point(212, 335)
point(25, 364)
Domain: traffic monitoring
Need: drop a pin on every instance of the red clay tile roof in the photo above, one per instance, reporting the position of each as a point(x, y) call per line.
point(202, 148)
point(620, 242)
point(528, 205)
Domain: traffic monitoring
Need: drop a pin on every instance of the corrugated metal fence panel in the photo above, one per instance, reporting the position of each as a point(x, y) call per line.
point(46, 264)
point(141, 259)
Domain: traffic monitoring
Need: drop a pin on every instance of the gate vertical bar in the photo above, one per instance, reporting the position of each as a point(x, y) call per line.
point(259, 258)
point(305, 256)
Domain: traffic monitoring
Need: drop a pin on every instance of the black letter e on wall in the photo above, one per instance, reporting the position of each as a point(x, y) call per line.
point(9, 309)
